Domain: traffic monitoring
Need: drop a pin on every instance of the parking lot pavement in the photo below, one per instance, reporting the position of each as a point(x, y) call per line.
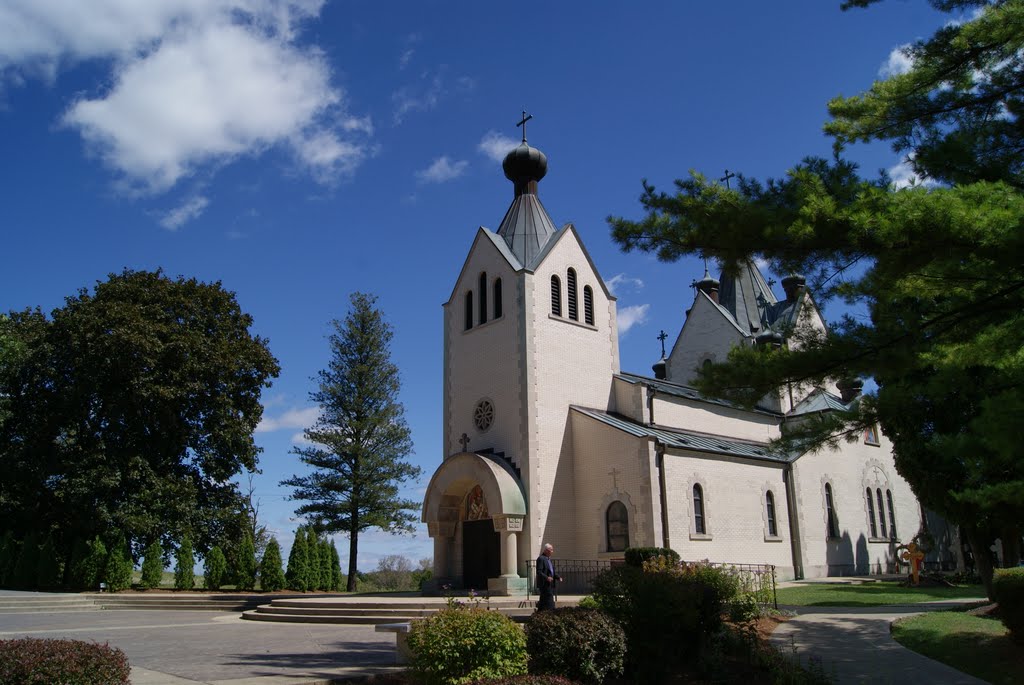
point(182, 647)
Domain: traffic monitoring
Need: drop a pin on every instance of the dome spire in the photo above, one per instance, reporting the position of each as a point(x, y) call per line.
point(526, 227)
point(525, 165)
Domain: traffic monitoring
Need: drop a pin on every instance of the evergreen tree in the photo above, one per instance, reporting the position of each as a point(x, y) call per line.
point(313, 547)
point(271, 573)
point(8, 558)
point(215, 570)
point(184, 569)
point(79, 551)
point(152, 566)
point(336, 579)
point(89, 574)
point(28, 561)
point(298, 563)
point(117, 573)
point(245, 573)
point(326, 572)
point(359, 443)
point(48, 569)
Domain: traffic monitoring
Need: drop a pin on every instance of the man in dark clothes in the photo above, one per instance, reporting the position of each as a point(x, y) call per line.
point(546, 578)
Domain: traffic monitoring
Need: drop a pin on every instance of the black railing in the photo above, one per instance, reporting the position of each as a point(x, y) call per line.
point(578, 576)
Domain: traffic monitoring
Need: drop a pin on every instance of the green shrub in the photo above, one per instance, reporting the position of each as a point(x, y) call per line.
point(29, 661)
point(528, 679)
point(271, 573)
point(215, 570)
point(117, 573)
point(1008, 591)
point(668, 611)
point(245, 571)
point(184, 568)
point(326, 570)
point(152, 566)
point(88, 572)
point(459, 645)
point(337, 579)
point(8, 558)
point(298, 563)
point(583, 644)
point(25, 568)
point(49, 569)
point(636, 556)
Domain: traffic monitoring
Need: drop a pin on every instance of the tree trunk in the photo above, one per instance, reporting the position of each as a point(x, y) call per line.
point(353, 548)
point(1010, 535)
point(983, 562)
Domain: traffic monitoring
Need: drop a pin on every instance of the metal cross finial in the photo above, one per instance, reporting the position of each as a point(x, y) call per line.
point(464, 440)
point(726, 178)
point(522, 122)
point(662, 336)
point(614, 473)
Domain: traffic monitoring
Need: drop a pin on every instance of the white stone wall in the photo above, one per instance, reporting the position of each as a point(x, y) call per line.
point(734, 510)
point(573, 363)
point(629, 399)
point(849, 470)
point(706, 334)
point(705, 417)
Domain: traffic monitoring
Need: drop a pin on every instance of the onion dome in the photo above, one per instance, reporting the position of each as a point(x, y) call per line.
point(793, 284)
point(660, 369)
point(768, 339)
point(850, 388)
point(525, 166)
point(708, 285)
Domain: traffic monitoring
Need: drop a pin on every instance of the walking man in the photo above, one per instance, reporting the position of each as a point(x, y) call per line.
point(546, 578)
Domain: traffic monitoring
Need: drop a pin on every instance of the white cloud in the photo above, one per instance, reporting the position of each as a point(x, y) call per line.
point(903, 175)
point(628, 283)
point(443, 169)
point(899, 62)
point(496, 145)
point(182, 214)
point(195, 83)
point(631, 316)
point(292, 418)
point(405, 58)
point(420, 97)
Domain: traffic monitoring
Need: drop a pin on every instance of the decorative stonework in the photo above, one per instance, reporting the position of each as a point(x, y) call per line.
point(476, 505)
point(512, 524)
point(483, 415)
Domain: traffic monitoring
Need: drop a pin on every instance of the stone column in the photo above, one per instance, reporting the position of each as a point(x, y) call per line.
point(509, 555)
point(441, 569)
point(509, 583)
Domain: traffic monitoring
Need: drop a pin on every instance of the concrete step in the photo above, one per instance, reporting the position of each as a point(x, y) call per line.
point(45, 602)
point(44, 609)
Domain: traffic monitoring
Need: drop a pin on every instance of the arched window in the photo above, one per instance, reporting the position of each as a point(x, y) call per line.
point(830, 513)
point(556, 296)
point(570, 286)
point(769, 502)
point(483, 297)
point(469, 310)
point(881, 513)
point(497, 298)
point(617, 521)
point(699, 526)
point(588, 305)
point(892, 515)
point(871, 515)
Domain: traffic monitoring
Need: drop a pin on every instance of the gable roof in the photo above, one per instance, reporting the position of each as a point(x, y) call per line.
point(686, 440)
point(818, 401)
point(555, 239)
point(526, 228)
point(686, 392)
point(483, 234)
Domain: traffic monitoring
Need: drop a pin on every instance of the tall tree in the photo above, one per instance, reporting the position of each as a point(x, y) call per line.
point(271, 573)
point(358, 446)
point(938, 267)
point(130, 409)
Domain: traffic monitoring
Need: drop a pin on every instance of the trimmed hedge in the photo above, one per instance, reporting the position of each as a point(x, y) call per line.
point(1008, 591)
point(460, 645)
point(30, 661)
point(583, 644)
point(636, 556)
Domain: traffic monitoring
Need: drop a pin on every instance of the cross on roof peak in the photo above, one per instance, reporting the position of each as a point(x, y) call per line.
point(522, 122)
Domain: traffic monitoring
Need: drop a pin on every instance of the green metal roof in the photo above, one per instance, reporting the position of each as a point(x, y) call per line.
point(686, 392)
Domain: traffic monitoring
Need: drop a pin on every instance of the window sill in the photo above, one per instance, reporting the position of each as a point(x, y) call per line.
point(485, 324)
point(881, 540)
point(700, 536)
point(773, 538)
point(564, 319)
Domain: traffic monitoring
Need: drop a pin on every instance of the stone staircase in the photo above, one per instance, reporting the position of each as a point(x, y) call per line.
point(371, 611)
point(44, 602)
point(185, 601)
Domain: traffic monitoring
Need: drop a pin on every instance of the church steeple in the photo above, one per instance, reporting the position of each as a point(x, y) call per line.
point(526, 227)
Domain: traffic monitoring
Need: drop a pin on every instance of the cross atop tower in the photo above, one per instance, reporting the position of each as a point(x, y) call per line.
point(662, 337)
point(522, 122)
point(727, 177)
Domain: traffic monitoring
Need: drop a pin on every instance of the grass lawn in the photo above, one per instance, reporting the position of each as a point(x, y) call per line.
point(977, 645)
point(871, 594)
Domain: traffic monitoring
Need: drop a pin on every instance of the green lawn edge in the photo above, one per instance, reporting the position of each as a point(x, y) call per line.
point(878, 593)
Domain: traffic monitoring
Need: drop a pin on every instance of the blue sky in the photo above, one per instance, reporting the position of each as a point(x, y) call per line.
point(299, 150)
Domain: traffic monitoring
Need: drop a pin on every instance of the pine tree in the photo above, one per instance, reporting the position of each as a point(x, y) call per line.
point(215, 570)
point(118, 570)
point(313, 552)
point(28, 560)
point(271, 574)
point(336, 579)
point(153, 566)
point(90, 573)
point(184, 570)
point(245, 573)
point(298, 563)
point(359, 443)
point(48, 568)
point(8, 557)
point(79, 551)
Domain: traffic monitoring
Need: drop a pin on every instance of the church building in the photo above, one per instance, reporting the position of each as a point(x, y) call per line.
point(546, 439)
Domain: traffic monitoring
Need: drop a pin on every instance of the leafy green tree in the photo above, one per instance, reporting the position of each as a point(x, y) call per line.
point(336, 579)
point(358, 445)
point(8, 558)
point(271, 573)
point(117, 573)
point(49, 570)
point(298, 563)
point(98, 439)
point(28, 561)
point(215, 569)
point(152, 566)
point(184, 569)
point(938, 267)
point(245, 573)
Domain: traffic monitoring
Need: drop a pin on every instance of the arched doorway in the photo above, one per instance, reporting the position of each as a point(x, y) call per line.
point(481, 544)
